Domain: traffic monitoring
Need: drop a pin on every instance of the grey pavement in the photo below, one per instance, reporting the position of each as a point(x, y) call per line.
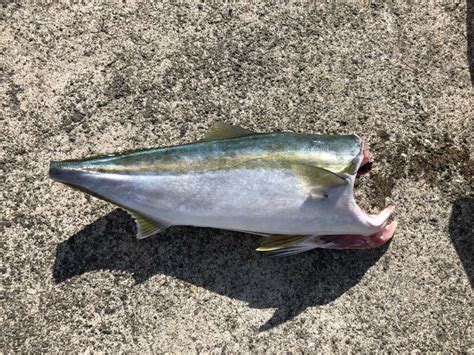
point(80, 80)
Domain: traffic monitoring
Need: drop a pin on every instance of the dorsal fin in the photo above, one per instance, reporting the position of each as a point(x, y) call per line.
point(220, 130)
point(147, 226)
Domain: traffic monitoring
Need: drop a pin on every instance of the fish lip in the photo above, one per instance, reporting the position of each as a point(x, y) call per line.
point(380, 219)
point(366, 162)
point(366, 158)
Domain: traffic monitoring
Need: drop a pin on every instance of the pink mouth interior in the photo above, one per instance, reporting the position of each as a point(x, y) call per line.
point(366, 163)
point(354, 241)
point(365, 154)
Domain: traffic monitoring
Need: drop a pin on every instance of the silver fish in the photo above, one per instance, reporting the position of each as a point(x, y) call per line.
point(294, 189)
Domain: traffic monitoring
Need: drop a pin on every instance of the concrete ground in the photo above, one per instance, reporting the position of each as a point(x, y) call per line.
point(81, 80)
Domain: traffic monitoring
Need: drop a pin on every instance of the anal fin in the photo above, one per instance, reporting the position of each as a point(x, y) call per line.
point(282, 245)
point(147, 226)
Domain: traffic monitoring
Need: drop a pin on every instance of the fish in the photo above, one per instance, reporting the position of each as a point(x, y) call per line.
point(296, 190)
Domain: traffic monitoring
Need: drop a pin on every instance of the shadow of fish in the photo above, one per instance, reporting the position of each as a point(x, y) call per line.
point(219, 261)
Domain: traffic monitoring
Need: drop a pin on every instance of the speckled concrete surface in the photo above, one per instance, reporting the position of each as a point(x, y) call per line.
point(80, 80)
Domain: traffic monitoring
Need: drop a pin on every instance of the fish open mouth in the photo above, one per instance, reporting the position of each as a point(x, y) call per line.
point(355, 241)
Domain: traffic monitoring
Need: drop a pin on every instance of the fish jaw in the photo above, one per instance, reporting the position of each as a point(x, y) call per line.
point(355, 241)
point(376, 221)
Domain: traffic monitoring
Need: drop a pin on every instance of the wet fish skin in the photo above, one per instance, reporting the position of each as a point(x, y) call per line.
point(334, 153)
point(270, 184)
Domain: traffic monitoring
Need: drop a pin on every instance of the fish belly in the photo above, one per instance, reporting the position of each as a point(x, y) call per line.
point(254, 200)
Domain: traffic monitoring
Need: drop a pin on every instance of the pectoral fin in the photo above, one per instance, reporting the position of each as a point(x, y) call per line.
point(147, 226)
point(319, 180)
point(221, 130)
point(315, 176)
point(281, 245)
